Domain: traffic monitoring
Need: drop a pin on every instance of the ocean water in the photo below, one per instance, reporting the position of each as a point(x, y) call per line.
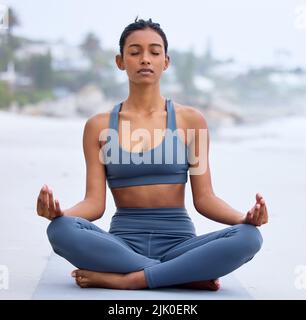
point(287, 133)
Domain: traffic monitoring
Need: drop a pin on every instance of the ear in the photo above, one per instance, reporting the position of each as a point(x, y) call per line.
point(119, 62)
point(167, 62)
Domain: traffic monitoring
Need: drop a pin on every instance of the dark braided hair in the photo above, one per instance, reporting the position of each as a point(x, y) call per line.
point(141, 25)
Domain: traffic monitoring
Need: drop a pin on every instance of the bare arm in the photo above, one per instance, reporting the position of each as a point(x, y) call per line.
point(204, 198)
point(87, 209)
point(93, 205)
point(214, 208)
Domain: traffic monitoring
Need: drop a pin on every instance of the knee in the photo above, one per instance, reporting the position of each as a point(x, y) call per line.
point(251, 238)
point(58, 228)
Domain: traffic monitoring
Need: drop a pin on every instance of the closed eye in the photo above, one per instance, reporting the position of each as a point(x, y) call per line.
point(133, 54)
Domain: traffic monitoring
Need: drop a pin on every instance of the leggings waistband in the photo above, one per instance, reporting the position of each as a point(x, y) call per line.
point(155, 211)
point(163, 219)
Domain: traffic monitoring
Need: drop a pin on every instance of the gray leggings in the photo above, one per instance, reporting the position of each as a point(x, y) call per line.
point(160, 241)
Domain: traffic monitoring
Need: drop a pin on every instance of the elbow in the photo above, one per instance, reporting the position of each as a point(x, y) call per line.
point(202, 203)
point(94, 208)
point(96, 216)
point(200, 208)
point(99, 214)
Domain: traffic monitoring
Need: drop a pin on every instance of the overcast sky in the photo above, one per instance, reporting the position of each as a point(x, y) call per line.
point(249, 31)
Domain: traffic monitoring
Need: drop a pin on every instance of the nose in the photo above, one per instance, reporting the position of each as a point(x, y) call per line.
point(145, 58)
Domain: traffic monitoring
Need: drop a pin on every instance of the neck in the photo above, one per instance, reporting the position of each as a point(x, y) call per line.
point(144, 99)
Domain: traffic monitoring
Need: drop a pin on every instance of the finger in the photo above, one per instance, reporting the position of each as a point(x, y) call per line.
point(261, 215)
point(44, 187)
point(58, 208)
point(41, 192)
point(249, 216)
point(39, 206)
point(259, 220)
point(256, 213)
point(51, 200)
point(44, 203)
point(46, 196)
point(49, 212)
point(51, 204)
point(40, 202)
point(264, 212)
point(57, 212)
point(258, 197)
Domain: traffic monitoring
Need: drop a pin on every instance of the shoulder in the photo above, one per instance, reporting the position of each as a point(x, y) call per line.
point(98, 120)
point(192, 117)
point(95, 125)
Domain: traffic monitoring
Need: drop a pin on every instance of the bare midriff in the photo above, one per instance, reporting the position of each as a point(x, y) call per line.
point(150, 196)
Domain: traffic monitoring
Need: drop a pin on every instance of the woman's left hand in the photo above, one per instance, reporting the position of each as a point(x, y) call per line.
point(257, 215)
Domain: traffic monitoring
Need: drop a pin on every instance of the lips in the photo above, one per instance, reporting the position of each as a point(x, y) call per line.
point(145, 70)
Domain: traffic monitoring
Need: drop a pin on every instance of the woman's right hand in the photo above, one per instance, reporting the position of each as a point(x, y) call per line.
point(46, 206)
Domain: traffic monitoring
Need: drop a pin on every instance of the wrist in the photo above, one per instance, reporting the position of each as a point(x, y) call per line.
point(241, 219)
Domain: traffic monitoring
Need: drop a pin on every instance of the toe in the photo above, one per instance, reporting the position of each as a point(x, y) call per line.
point(74, 273)
point(83, 283)
point(83, 273)
point(216, 284)
point(79, 274)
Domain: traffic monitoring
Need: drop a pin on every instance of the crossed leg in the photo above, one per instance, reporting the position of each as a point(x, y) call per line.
point(104, 260)
point(192, 263)
point(200, 259)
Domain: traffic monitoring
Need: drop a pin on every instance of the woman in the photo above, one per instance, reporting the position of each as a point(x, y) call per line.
point(151, 241)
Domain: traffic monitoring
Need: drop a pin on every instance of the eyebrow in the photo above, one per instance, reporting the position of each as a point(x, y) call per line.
point(151, 44)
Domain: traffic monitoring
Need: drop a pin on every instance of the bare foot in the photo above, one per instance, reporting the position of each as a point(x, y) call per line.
point(133, 280)
point(87, 279)
point(211, 285)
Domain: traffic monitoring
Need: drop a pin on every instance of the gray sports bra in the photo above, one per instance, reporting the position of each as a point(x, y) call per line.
point(167, 163)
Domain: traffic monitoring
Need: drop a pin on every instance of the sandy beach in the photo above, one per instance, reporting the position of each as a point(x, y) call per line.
point(268, 158)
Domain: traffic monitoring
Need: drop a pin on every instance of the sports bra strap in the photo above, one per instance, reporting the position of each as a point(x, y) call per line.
point(171, 121)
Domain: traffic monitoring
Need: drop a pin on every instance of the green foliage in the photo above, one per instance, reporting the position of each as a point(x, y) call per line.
point(32, 97)
point(39, 69)
point(5, 95)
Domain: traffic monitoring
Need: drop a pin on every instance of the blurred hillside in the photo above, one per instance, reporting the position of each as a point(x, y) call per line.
point(58, 79)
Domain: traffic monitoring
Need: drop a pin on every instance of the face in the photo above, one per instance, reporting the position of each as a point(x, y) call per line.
point(143, 49)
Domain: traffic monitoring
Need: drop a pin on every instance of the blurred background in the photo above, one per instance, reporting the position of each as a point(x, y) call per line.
point(238, 62)
point(243, 64)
